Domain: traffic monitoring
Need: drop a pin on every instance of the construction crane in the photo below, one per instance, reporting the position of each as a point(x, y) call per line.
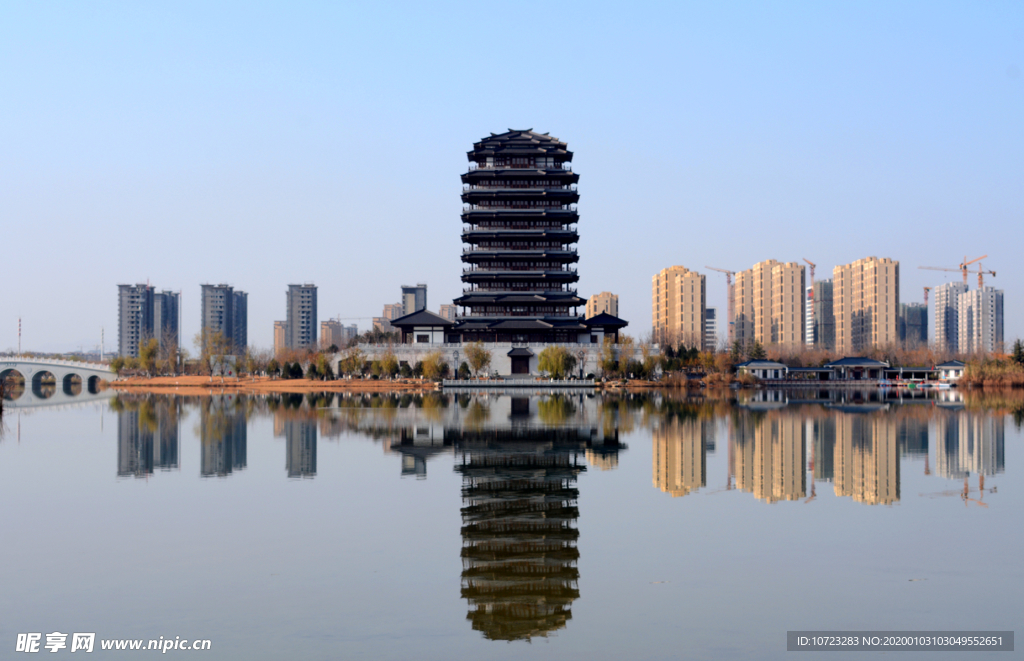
point(964, 270)
point(813, 265)
point(926, 290)
point(728, 283)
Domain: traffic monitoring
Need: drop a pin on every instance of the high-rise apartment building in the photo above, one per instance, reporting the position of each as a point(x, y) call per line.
point(980, 321)
point(913, 325)
point(165, 320)
point(330, 333)
point(866, 304)
point(448, 312)
point(134, 318)
point(947, 303)
point(414, 299)
point(225, 311)
point(348, 333)
point(821, 322)
point(605, 302)
point(711, 329)
point(300, 328)
point(769, 304)
point(679, 306)
point(280, 337)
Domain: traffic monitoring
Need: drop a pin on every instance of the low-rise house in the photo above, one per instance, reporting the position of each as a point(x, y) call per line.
point(951, 370)
point(763, 369)
point(857, 369)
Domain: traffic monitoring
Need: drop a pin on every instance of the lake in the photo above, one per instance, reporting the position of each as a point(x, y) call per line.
point(511, 525)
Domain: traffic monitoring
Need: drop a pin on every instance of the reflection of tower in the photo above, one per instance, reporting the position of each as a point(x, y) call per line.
point(770, 455)
point(867, 466)
point(680, 455)
point(969, 442)
point(223, 436)
point(519, 537)
point(134, 443)
point(300, 437)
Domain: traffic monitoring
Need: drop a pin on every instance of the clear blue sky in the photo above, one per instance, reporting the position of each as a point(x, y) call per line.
point(261, 144)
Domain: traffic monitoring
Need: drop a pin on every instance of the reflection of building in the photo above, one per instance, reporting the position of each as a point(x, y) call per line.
point(519, 552)
point(769, 455)
point(969, 442)
point(823, 439)
point(223, 436)
point(147, 437)
point(300, 458)
point(867, 466)
point(680, 455)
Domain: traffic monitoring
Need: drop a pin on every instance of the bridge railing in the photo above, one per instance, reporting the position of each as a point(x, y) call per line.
point(54, 361)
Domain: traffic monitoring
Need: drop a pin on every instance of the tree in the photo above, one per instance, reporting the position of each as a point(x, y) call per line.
point(609, 363)
point(273, 368)
point(352, 361)
point(478, 357)
point(323, 367)
point(117, 364)
point(406, 371)
point(464, 370)
point(389, 363)
point(757, 351)
point(212, 347)
point(1018, 352)
point(556, 361)
point(434, 365)
point(148, 351)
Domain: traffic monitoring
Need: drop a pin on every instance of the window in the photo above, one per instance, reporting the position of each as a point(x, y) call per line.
point(422, 339)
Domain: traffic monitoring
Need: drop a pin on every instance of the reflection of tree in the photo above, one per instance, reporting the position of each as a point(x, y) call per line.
point(519, 537)
point(555, 410)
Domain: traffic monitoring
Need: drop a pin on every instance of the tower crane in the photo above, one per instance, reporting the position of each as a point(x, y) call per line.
point(964, 270)
point(813, 265)
point(729, 313)
point(926, 290)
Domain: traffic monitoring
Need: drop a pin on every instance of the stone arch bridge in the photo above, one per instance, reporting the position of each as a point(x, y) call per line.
point(53, 381)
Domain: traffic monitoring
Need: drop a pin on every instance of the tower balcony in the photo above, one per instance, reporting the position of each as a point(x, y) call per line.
point(524, 274)
point(520, 198)
point(558, 236)
point(560, 209)
point(565, 165)
point(483, 255)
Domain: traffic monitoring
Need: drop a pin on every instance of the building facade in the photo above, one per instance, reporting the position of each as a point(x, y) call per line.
point(414, 299)
point(449, 312)
point(980, 321)
point(300, 324)
point(225, 311)
point(821, 322)
point(768, 301)
point(280, 337)
point(866, 304)
point(913, 325)
point(711, 329)
point(947, 305)
point(165, 320)
point(330, 333)
point(134, 318)
point(678, 307)
point(519, 237)
point(606, 302)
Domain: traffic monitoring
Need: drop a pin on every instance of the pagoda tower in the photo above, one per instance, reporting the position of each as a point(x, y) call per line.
point(519, 235)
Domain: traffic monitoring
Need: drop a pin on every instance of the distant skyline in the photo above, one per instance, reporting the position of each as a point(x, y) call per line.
point(265, 144)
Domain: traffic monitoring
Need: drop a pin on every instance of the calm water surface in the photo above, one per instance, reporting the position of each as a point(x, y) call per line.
point(510, 526)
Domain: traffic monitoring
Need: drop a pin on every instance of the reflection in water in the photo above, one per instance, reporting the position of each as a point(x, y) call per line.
point(300, 440)
point(769, 454)
point(867, 466)
point(223, 435)
point(680, 455)
point(970, 442)
point(147, 436)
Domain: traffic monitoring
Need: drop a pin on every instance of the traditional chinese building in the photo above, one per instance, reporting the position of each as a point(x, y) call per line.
point(519, 237)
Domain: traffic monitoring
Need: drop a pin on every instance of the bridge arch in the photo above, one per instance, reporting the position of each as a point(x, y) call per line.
point(12, 392)
point(94, 384)
point(72, 384)
point(44, 384)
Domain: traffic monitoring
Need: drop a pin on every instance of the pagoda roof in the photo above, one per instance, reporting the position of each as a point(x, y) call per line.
point(567, 298)
point(856, 361)
point(520, 140)
point(518, 324)
point(422, 318)
point(519, 352)
point(605, 319)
